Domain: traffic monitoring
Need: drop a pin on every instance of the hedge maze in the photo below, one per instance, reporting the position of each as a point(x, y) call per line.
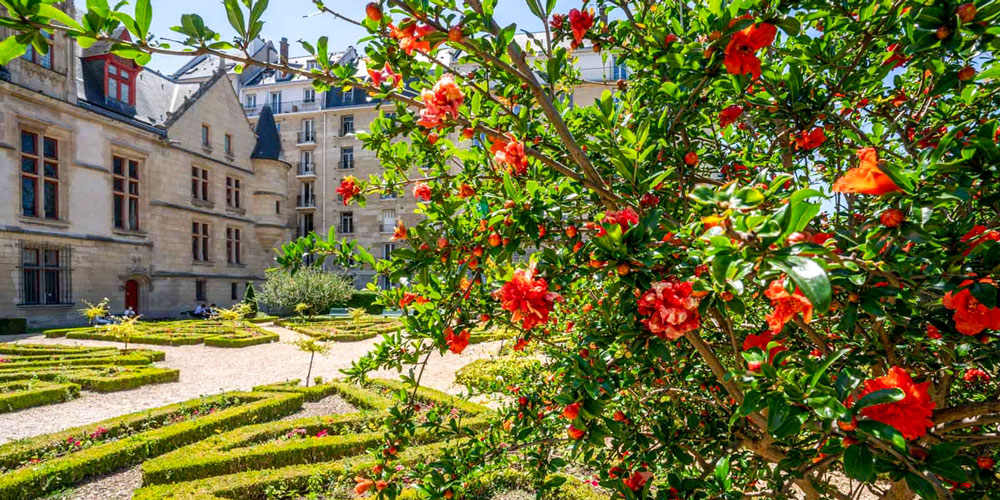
point(231, 446)
point(344, 329)
point(184, 332)
point(34, 375)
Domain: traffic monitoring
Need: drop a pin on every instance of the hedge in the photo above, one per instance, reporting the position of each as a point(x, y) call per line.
point(179, 333)
point(124, 381)
point(356, 396)
point(258, 447)
point(13, 326)
point(364, 299)
point(483, 374)
point(26, 394)
point(242, 341)
point(123, 451)
point(262, 319)
point(48, 349)
point(136, 358)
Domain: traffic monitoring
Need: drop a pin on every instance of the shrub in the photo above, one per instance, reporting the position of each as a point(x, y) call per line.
point(322, 290)
point(250, 299)
point(365, 299)
point(13, 326)
point(28, 393)
point(495, 374)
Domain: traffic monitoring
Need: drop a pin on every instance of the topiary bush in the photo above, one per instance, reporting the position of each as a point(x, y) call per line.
point(282, 291)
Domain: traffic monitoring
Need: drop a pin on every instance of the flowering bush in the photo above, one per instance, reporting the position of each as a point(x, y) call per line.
point(765, 261)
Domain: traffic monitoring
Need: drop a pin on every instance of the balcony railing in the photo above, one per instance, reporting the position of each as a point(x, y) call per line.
point(346, 164)
point(307, 168)
point(285, 107)
point(306, 136)
point(305, 201)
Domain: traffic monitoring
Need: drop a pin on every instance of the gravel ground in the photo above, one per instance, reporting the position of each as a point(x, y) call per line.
point(329, 405)
point(211, 370)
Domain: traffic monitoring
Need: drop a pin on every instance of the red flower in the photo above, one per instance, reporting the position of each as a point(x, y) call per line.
point(456, 343)
point(866, 178)
point(932, 332)
point(362, 485)
point(810, 140)
point(966, 12)
point(761, 341)
point(557, 21)
point(511, 154)
point(348, 189)
point(892, 217)
point(407, 298)
point(897, 58)
point(977, 235)
point(741, 52)
point(521, 344)
point(387, 75)
point(729, 115)
point(986, 463)
point(691, 158)
point(528, 298)
point(440, 102)
point(574, 433)
point(580, 22)
point(976, 375)
point(571, 411)
point(400, 233)
point(910, 415)
point(466, 191)
point(410, 37)
point(422, 191)
point(971, 316)
point(672, 309)
point(625, 219)
point(637, 480)
point(786, 305)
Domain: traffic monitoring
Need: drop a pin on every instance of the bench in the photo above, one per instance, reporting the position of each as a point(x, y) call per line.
point(392, 312)
point(338, 311)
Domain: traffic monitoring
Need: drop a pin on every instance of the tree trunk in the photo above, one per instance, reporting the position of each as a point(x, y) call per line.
point(309, 374)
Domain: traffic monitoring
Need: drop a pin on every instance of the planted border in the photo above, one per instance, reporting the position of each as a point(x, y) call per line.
point(180, 333)
point(23, 394)
point(35, 480)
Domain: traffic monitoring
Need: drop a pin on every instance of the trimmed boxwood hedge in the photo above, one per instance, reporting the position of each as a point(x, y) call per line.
point(32, 481)
point(124, 360)
point(124, 381)
point(180, 332)
point(258, 447)
point(244, 341)
point(28, 393)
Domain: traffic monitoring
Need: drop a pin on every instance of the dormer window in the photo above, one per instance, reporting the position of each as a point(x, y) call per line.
point(121, 85)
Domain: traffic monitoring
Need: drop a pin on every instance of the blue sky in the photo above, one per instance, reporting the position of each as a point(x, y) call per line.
point(291, 18)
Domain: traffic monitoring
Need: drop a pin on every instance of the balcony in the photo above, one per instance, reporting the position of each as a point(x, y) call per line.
point(285, 107)
point(346, 164)
point(305, 203)
point(306, 138)
point(306, 169)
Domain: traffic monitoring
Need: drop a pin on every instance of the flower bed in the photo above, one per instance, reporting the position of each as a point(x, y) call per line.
point(312, 439)
point(185, 332)
point(33, 467)
point(343, 329)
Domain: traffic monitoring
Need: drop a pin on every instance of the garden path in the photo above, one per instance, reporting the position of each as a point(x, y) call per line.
point(211, 370)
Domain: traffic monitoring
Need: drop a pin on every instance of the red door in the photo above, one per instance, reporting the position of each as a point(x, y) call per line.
point(132, 295)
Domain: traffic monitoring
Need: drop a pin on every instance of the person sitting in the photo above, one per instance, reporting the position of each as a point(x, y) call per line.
point(211, 310)
point(129, 312)
point(201, 311)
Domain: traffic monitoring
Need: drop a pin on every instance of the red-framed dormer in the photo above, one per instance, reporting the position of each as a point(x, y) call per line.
point(120, 74)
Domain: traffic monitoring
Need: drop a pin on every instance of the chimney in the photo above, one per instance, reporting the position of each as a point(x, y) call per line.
point(284, 50)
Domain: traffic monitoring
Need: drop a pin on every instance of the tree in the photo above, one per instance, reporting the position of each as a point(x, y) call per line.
point(124, 329)
point(765, 260)
point(313, 347)
point(283, 290)
point(250, 299)
point(233, 315)
point(93, 312)
point(303, 309)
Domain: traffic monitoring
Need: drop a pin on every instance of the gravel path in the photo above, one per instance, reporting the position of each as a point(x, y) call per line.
point(211, 370)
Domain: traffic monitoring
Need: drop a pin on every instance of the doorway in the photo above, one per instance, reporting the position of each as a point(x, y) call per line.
point(132, 295)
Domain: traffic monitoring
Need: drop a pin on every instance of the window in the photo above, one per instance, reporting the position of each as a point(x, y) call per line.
point(276, 102)
point(206, 136)
point(199, 241)
point(227, 144)
point(311, 64)
point(347, 158)
point(120, 87)
point(305, 224)
point(388, 221)
point(308, 133)
point(306, 166)
point(349, 96)
point(388, 195)
point(125, 187)
point(199, 183)
point(250, 101)
point(309, 95)
point(39, 176)
point(347, 125)
point(387, 249)
point(45, 275)
point(43, 60)
point(233, 245)
point(619, 70)
point(347, 222)
point(232, 192)
point(199, 290)
point(232, 291)
point(277, 207)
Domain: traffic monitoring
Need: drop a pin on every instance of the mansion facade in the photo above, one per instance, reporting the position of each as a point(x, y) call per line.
point(124, 183)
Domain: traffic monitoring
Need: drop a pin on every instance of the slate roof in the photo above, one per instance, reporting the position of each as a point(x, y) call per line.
point(268, 146)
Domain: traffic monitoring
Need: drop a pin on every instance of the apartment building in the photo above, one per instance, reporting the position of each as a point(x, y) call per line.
point(125, 183)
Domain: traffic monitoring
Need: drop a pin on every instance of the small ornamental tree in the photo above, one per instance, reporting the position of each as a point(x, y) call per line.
point(250, 299)
point(233, 315)
point(95, 311)
point(124, 329)
point(766, 260)
point(313, 347)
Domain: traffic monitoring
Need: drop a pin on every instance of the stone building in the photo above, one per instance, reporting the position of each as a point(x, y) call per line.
point(124, 183)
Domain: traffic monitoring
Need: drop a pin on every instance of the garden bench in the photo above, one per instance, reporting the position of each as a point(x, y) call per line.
point(392, 312)
point(338, 311)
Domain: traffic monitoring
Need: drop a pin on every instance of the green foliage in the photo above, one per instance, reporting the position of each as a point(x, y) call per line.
point(494, 375)
point(366, 299)
point(283, 290)
point(92, 311)
point(28, 393)
point(250, 299)
point(212, 333)
point(13, 326)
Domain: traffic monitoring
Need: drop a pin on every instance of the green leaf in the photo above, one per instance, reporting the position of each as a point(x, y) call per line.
point(52, 12)
point(884, 432)
point(830, 359)
point(143, 17)
point(859, 463)
point(879, 397)
point(722, 470)
point(810, 278)
point(11, 49)
point(921, 486)
point(235, 15)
